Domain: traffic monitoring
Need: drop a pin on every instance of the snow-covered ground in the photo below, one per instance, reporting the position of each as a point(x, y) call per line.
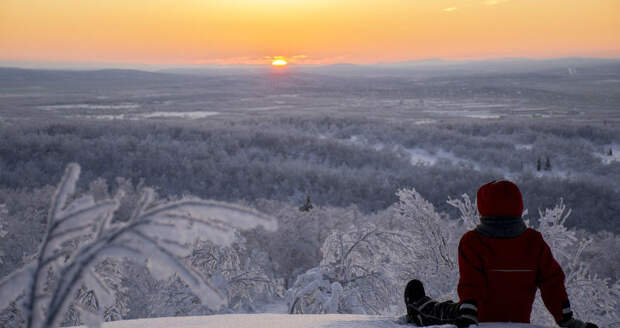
point(188, 115)
point(121, 106)
point(421, 156)
point(152, 115)
point(608, 159)
point(270, 320)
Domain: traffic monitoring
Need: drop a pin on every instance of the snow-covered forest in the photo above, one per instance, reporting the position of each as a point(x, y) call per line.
point(309, 204)
point(103, 253)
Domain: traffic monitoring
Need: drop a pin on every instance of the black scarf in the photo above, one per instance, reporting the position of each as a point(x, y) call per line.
point(501, 227)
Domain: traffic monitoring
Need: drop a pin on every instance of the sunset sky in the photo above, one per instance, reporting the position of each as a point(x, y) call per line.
point(186, 32)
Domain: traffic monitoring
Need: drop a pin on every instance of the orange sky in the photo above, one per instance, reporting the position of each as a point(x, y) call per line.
point(181, 32)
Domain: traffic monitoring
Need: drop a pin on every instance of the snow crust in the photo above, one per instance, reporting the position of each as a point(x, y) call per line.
point(270, 320)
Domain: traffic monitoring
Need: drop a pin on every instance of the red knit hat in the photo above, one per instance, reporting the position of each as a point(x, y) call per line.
point(499, 198)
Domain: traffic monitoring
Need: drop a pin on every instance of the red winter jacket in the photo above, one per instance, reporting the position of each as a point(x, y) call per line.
point(501, 276)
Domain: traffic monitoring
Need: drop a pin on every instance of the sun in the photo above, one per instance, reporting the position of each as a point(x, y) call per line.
point(279, 62)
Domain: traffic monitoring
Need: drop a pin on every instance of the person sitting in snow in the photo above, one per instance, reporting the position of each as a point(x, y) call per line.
point(501, 264)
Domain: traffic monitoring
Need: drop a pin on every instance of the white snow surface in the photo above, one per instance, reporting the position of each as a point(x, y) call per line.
point(190, 115)
point(606, 159)
point(421, 156)
point(153, 115)
point(272, 320)
point(90, 106)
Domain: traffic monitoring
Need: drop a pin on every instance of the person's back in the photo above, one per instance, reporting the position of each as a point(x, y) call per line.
point(501, 265)
point(509, 270)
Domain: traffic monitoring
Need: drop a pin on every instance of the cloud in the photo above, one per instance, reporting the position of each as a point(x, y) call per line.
point(265, 60)
point(494, 2)
point(449, 9)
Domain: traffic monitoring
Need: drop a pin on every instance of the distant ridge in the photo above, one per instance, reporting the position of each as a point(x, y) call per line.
point(22, 75)
point(217, 70)
point(426, 66)
point(505, 63)
point(442, 66)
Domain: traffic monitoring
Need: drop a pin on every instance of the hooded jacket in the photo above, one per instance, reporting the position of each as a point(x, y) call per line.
point(501, 264)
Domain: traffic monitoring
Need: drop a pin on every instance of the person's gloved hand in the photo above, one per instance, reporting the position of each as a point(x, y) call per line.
point(468, 314)
point(574, 323)
point(465, 322)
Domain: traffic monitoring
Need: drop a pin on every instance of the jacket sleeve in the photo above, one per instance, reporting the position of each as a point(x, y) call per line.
point(472, 278)
point(550, 280)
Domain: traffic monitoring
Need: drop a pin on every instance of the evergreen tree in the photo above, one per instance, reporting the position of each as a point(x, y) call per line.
point(307, 206)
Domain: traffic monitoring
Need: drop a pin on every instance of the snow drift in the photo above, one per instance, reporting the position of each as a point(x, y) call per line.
point(269, 320)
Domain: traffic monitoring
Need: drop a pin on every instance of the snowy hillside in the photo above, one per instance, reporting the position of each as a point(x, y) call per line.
point(282, 321)
point(303, 193)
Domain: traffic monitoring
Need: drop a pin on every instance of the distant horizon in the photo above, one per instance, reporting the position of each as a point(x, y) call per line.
point(422, 62)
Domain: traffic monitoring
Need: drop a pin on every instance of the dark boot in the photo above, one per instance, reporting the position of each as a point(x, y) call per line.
point(424, 311)
point(414, 291)
point(414, 295)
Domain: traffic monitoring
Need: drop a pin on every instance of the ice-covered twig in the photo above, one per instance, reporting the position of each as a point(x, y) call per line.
point(156, 234)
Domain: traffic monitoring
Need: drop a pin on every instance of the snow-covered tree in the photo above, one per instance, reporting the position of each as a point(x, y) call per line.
point(468, 211)
point(296, 246)
point(238, 272)
point(435, 241)
point(364, 268)
point(3, 212)
point(315, 292)
point(173, 297)
point(111, 271)
point(155, 233)
point(24, 221)
point(362, 271)
point(592, 298)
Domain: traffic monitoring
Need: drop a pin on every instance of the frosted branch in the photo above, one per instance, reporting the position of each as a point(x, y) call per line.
point(145, 236)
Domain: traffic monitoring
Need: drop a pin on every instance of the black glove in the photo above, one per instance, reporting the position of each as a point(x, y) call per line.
point(574, 323)
point(569, 322)
point(468, 314)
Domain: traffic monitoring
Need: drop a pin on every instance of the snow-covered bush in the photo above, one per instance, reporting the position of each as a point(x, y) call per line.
point(468, 211)
point(315, 292)
point(86, 303)
point(435, 241)
point(362, 271)
point(238, 272)
point(603, 255)
point(369, 266)
point(172, 297)
point(592, 298)
point(296, 246)
point(82, 233)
